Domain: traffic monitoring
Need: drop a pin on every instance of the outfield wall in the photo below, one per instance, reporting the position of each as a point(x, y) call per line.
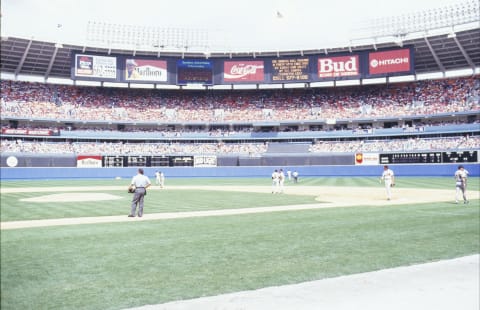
point(22, 173)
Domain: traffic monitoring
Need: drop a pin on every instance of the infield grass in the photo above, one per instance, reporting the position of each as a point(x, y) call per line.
point(122, 265)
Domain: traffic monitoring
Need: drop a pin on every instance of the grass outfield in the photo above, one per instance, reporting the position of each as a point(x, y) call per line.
point(121, 265)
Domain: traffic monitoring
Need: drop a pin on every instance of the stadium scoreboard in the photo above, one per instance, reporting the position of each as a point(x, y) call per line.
point(113, 161)
point(176, 161)
point(460, 157)
point(290, 69)
point(429, 157)
point(159, 161)
point(136, 161)
point(194, 72)
point(147, 161)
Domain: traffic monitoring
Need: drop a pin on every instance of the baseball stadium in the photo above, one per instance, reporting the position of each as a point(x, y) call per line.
point(267, 174)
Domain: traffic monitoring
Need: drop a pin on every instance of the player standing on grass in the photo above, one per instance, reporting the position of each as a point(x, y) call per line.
point(461, 184)
point(159, 178)
point(281, 180)
point(162, 179)
point(295, 176)
point(140, 182)
point(275, 181)
point(389, 178)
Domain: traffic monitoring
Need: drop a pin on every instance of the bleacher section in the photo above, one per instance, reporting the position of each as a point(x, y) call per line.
point(288, 148)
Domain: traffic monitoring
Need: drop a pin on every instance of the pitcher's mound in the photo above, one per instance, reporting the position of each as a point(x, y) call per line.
point(72, 197)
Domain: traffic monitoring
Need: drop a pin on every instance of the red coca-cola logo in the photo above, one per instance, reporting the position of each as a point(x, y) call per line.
point(243, 71)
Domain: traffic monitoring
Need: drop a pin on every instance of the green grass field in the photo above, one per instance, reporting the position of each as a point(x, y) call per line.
point(122, 265)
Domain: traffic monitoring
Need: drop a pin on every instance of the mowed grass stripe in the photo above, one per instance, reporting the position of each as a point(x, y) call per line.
point(121, 265)
point(14, 209)
point(156, 201)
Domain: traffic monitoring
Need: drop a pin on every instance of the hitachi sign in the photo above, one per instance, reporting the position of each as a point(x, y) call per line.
point(326, 65)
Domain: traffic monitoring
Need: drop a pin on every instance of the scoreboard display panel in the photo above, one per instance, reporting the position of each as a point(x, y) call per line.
point(290, 69)
point(460, 157)
point(411, 158)
point(113, 161)
point(136, 161)
point(194, 72)
point(159, 161)
point(185, 161)
point(429, 157)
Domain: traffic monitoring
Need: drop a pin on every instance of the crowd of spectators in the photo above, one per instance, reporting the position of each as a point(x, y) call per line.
point(102, 105)
point(247, 149)
point(64, 102)
point(118, 148)
point(412, 144)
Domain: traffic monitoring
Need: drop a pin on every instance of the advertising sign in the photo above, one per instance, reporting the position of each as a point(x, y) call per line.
point(243, 71)
point(339, 66)
point(392, 61)
point(145, 70)
point(89, 161)
point(93, 66)
point(367, 158)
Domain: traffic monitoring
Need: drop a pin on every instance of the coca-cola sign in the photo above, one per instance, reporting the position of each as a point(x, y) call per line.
point(243, 71)
point(339, 66)
point(389, 61)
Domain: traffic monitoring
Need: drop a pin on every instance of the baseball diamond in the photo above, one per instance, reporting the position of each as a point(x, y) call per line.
point(415, 209)
point(270, 155)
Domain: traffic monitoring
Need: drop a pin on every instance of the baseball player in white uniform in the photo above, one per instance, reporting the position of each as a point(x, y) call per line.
point(159, 179)
point(388, 178)
point(281, 180)
point(461, 176)
point(275, 181)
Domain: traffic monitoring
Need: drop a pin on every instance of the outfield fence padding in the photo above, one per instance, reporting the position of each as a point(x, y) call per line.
point(26, 173)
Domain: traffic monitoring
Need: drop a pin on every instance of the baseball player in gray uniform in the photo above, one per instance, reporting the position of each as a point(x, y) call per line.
point(461, 176)
point(140, 182)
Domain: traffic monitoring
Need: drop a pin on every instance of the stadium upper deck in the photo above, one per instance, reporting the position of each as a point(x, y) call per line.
point(432, 53)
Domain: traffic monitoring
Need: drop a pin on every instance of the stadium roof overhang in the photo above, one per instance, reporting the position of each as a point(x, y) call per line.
point(432, 53)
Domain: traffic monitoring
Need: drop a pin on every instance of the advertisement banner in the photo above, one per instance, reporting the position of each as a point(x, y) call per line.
point(367, 159)
point(205, 161)
point(89, 161)
point(93, 66)
point(30, 132)
point(392, 61)
point(145, 70)
point(243, 71)
point(339, 66)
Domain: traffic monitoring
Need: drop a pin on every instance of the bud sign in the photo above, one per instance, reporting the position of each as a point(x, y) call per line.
point(339, 66)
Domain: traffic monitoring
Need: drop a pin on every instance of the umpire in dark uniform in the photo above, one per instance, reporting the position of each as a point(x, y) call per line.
point(140, 183)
